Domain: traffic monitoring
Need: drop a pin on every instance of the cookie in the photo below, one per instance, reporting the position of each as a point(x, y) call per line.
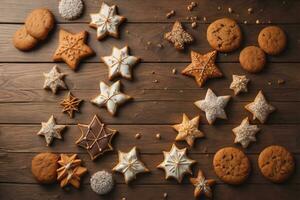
point(44, 166)
point(224, 35)
point(239, 84)
point(102, 182)
point(276, 163)
point(231, 165)
point(70, 104)
point(54, 80)
point(70, 9)
point(252, 59)
point(23, 41)
point(272, 40)
point(39, 23)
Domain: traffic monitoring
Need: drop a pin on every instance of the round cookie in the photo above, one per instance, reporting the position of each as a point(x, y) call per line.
point(70, 9)
point(39, 23)
point(252, 59)
point(272, 40)
point(231, 165)
point(276, 163)
point(44, 166)
point(224, 35)
point(23, 41)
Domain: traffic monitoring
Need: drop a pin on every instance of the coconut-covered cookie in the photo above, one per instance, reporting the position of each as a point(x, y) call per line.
point(70, 9)
point(102, 182)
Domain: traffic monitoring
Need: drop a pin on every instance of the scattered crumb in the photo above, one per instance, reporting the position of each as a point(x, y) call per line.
point(165, 88)
point(225, 54)
point(170, 14)
point(181, 91)
point(204, 19)
point(194, 24)
point(149, 43)
point(269, 83)
point(250, 10)
point(158, 136)
point(230, 10)
point(153, 72)
point(137, 136)
point(155, 81)
point(219, 8)
point(245, 22)
point(127, 31)
point(191, 6)
point(159, 45)
point(174, 70)
point(194, 18)
point(194, 4)
point(280, 81)
point(257, 21)
point(269, 21)
point(165, 195)
point(187, 18)
point(123, 198)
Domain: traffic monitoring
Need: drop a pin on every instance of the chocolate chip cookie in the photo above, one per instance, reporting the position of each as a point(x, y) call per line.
point(252, 59)
point(23, 41)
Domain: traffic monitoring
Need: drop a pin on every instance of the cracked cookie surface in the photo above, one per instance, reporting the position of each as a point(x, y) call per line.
point(272, 40)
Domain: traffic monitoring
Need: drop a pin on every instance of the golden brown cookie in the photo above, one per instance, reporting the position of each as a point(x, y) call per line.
point(276, 163)
point(44, 166)
point(231, 165)
point(272, 40)
point(252, 59)
point(23, 41)
point(224, 35)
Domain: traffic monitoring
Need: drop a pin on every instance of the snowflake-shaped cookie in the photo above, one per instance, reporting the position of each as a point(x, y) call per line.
point(54, 80)
point(239, 84)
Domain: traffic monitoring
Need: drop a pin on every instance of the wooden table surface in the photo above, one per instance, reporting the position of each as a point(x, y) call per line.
point(24, 104)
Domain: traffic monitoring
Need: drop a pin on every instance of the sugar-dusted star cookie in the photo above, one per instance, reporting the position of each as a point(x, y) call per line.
point(260, 108)
point(130, 165)
point(70, 104)
point(95, 138)
point(54, 80)
point(51, 130)
point(202, 67)
point(111, 97)
point(188, 130)
point(106, 21)
point(239, 84)
point(120, 63)
point(178, 36)
point(176, 163)
point(202, 185)
point(213, 106)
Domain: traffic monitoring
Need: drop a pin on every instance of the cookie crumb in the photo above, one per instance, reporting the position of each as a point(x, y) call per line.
point(230, 10)
point(194, 24)
point(170, 14)
point(204, 19)
point(155, 81)
point(158, 136)
point(250, 10)
point(137, 136)
point(257, 21)
point(269, 83)
point(280, 81)
point(127, 31)
point(159, 45)
point(191, 6)
point(123, 198)
point(153, 72)
point(219, 8)
point(149, 43)
point(165, 88)
point(245, 22)
point(174, 70)
point(165, 195)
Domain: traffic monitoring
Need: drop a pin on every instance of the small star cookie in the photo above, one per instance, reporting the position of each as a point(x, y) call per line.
point(202, 185)
point(239, 84)
point(54, 80)
point(70, 104)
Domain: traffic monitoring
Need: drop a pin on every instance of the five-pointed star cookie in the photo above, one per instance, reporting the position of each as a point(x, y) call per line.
point(51, 130)
point(70, 104)
point(176, 163)
point(72, 48)
point(54, 80)
point(130, 165)
point(260, 108)
point(213, 106)
point(111, 97)
point(95, 138)
point(178, 36)
point(239, 84)
point(106, 21)
point(120, 63)
point(202, 67)
point(245, 133)
point(188, 130)
point(202, 185)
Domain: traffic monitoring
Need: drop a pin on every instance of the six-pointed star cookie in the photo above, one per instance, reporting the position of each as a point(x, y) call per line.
point(260, 108)
point(176, 164)
point(213, 106)
point(106, 21)
point(70, 104)
point(130, 165)
point(188, 130)
point(120, 63)
point(95, 138)
point(54, 80)
point(239, 84)
point(72, 48)
point(245, 133)
point(202, 185)
point(51, 130)
point(202, 67)
point(111, 97)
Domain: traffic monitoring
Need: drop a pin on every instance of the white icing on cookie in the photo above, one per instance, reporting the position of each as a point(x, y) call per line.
point(239, 84)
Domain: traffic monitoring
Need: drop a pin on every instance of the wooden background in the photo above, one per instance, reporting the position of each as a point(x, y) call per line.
point(156, 106)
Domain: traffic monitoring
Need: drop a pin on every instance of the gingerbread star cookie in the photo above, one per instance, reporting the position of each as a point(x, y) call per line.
point(213, 106)
point(120, 63)
point(239, 84)
point(106, 21)
point(203, 67)
point(70, 104)
point(260, 108)
point(176, 163)
point(130, 165)
point(188, 130)
point(95, 138)
point(202, 185)
point(54, 80)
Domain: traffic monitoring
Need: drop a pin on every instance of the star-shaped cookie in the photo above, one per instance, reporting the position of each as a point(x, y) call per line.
point(54, 80)
point(202, 67)
point(188, 130)
point(51, 130)
point(245, 133)
point(239, 84)
point(120, 63)
point(260, 108)
point(111, 97)
point(130, 165)
point(95, 138)
point(178, 36)
point(202, 185)
point(72, 48)
point(106, 21)
point(70, 104)
point(213, 106)
point(176, 163)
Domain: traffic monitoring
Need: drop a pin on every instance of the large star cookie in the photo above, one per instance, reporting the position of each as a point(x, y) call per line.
point(54, 80)
point(72, 48)
point(260, 108)
point(70, 104)
point(176, 163)
point(202, 185)
point(239, 84)
point(203, 67)
point(95, 138)
point(213, 106)
point(130, 165)
point(106, 21)
point(120, 63)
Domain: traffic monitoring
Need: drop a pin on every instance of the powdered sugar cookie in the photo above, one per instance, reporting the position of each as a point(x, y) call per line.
point(70, 9)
